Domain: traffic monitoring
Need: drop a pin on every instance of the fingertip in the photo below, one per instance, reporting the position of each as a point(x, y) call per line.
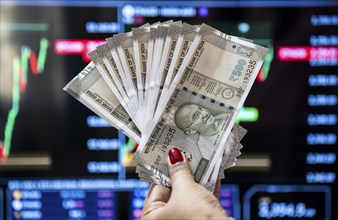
point(179, 169)
point(175, 156)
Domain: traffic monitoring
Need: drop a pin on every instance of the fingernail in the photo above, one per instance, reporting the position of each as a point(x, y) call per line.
point(175, 156)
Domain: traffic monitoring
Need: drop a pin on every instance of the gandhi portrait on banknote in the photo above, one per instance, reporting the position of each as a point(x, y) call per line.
point(195, 119)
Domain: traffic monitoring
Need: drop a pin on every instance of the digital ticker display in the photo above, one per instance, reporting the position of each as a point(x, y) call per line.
point(287, 201)
point(58, 160)
point(90, 199)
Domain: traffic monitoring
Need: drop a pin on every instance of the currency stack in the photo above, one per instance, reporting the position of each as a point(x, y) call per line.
point(173, 84)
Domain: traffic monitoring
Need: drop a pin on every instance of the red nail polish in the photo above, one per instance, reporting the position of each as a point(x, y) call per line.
point(175, 156)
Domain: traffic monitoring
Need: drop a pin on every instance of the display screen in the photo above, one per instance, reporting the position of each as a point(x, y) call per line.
point(61, 161)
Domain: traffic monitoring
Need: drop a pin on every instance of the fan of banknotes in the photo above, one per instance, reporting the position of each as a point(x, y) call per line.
point(173, 84)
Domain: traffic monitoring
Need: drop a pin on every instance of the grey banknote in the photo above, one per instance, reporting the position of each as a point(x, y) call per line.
point(218, 171)
point(89, 88)
point(209, 90)
point(185, 39)
point(108, 77)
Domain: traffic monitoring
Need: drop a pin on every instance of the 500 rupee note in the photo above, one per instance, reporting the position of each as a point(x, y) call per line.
point(202, 103)
point(89, 88)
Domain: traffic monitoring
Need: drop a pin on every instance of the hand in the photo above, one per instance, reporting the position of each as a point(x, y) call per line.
point(186, 200)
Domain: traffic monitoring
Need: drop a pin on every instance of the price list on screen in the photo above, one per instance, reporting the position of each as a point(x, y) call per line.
point(68, 199)
point(319, 60)
point(322, 100)
point(107, 144)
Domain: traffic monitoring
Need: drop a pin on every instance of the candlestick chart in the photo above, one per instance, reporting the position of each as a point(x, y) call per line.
point(27, 62)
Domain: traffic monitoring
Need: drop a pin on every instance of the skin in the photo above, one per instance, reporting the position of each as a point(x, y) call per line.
point(186, 200)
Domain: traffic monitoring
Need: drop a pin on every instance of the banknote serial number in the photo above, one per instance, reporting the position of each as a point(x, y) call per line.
point(247, 75)
point(167, 139)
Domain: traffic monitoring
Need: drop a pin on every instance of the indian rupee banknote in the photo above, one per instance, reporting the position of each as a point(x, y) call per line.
point(90, 89)
point(173, 84)
point(209, 90)
point(110, 79)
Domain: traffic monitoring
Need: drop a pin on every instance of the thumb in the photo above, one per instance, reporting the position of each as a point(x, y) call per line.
point(180, 172)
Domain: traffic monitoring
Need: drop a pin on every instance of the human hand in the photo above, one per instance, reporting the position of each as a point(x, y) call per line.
point(186, 200)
